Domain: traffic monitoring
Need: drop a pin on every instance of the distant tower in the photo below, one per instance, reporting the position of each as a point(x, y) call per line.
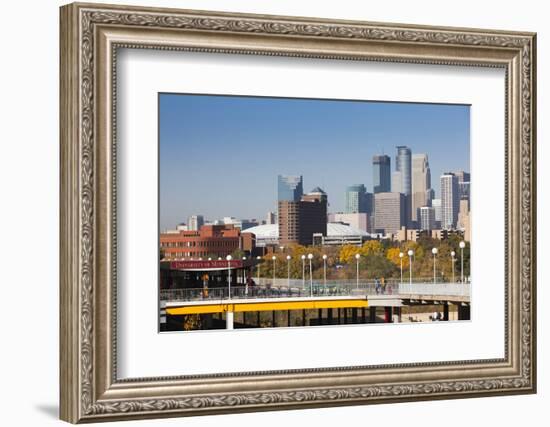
point(356, 199)
point(421, 184)
point(403, 166)
point(289, 193)
point(426, 218)
point(463, 184)
point(381, 174)
point(271, 218)
point(195, 222)
point(313, 216)
point(389, 214)
point(449, 200)
point(300, 216)
point(436, 204)
point(290, 188)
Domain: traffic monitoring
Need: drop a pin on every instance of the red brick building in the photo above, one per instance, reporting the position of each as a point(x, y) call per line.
point(299, 220)
point(208, 241)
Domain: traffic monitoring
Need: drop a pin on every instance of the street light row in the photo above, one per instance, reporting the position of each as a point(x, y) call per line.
point(410, 253)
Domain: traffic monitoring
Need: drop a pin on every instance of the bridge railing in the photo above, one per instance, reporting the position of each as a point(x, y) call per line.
point(299, 283)
point(319, 289)
point(443, 289)
point(252, 292)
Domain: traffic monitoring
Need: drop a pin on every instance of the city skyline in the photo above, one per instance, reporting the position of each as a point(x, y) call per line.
point(233, 166)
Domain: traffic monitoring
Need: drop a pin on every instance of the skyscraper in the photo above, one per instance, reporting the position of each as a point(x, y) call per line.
point(356, 199)
point(389, 211)
point(195, 222)
point(421, 184)
point(289, 192)
point(436, 204)
point(397, 182)
point(271, 218)
point(463, 214)
point(463, 184)
point(290, 187)
point(426, 218)
point(449, 200)
point(403, 165)
point(299, 215)
point(381, 174)
point(312, 216)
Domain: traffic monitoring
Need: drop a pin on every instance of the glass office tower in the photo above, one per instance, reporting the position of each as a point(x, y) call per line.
point(290, 188)
point(381, 174)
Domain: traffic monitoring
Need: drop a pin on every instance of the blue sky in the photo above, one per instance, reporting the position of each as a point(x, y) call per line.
point(220, 155)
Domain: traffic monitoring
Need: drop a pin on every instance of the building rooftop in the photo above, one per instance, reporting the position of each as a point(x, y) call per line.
point(271, 231)
point(317, 190)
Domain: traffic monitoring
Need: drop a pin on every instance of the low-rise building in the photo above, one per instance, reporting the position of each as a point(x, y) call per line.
point(209, 240)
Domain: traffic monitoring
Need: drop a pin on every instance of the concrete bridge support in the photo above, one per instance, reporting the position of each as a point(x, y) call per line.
point(463, 312)
point(446, 311)
point(372, 314)
point(387, 315)
point(229, 320)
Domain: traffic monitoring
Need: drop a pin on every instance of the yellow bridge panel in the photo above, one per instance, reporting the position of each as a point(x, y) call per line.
point(197, 309)
point(267, 306)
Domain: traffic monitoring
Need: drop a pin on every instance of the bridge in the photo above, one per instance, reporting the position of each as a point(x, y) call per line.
point(316, 295)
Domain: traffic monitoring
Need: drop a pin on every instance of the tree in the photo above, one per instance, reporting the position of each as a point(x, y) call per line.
point(238, 254)
point(372, 247)
point(392, 254)
point(347, 253)
point(377, 266)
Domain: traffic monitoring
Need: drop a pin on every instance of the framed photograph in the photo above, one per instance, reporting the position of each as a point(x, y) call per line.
point(266, 212)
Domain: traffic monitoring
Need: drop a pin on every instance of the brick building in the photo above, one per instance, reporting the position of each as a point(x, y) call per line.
point(208, 241)
point(300, 220)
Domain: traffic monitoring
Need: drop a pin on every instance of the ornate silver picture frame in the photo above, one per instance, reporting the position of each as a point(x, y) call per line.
point(91, 37)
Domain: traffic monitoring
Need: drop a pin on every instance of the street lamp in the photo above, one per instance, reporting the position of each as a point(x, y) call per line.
point(228, 258)
point(288, 270)
point(310, 257)
point(462, 246)
point(410, 253)
point(453, 253)
point(357, 256)
point(259, 258)
point(282, 248)
point(244, 277)
point(434, 251)
point(325, 272)
point(303, 272)
point(401, 255)
point(274, 258)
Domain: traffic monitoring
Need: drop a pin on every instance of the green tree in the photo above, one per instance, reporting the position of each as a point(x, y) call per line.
point(238, 254)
